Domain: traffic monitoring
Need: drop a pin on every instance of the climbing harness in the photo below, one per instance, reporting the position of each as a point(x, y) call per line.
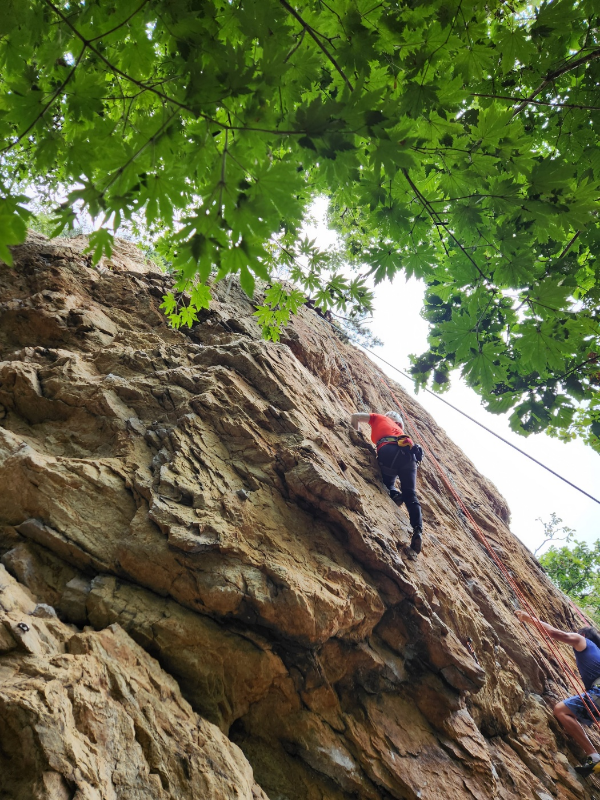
point(573, 679)
point(401, 441)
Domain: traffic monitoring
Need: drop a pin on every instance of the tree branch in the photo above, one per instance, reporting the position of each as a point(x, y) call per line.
point(568, 246)
point(535, 102)
point(48, 104)
point(313, 34)
point(552, 76)
point(223, 173)
point(120, 25)
point(295, 47)
point(551, 539)
point(437, 221)
point(196, 114)
point(116, 70)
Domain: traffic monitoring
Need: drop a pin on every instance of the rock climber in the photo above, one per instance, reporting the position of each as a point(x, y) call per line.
point(398, 457)
point(572, 712)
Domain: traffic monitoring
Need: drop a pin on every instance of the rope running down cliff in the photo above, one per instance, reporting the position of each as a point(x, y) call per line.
point(570, 674)
point(572, 678)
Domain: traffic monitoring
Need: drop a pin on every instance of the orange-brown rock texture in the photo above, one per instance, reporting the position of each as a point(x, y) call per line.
point(205, 590)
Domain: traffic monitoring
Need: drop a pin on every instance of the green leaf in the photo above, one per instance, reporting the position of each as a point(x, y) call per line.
point(384, 263)
point(550, 175)
point(188, 316)
point(459, 336)
point(486, 368)
point(514, 271)
point(200, 296)
point(549, 296)
point(540, 347)
point(100, 243)
point(417, 98)
point(514, 45)
point(247, 281)
point(500, 404)
point(169, 304)
point(492, 124)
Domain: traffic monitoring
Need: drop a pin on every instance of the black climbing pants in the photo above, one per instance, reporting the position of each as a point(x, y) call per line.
point(399, 462)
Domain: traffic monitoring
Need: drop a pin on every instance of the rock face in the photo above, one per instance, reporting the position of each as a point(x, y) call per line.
point(206, 592)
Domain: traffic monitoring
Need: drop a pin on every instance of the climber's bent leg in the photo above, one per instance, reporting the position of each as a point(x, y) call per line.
point(389, 480)
point(386, 459)
point(572, 715)
point(408, 482)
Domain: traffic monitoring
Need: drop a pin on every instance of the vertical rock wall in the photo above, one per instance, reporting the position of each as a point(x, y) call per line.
point(218, 595)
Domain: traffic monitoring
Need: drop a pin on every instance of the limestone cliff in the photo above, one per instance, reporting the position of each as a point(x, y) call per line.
point(206, 592)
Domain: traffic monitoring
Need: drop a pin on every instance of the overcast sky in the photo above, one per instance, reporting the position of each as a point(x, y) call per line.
point(531, 491)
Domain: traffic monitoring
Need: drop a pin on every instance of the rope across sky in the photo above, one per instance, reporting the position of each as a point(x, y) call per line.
point(489, 430)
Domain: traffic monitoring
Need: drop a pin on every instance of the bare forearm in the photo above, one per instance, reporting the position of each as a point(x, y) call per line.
point(574, 639)
point(525, 617)
point(555, 633)
point(357, 418)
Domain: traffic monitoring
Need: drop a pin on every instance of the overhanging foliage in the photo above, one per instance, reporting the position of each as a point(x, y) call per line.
point(457, 141)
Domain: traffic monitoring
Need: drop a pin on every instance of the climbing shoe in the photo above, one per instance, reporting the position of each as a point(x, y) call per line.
point(588, 767)
point(417, 540)
point(396, 497)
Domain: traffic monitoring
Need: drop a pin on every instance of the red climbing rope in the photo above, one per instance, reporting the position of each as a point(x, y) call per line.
point(575, 681)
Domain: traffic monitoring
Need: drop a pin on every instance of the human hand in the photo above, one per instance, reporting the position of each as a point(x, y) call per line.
point(523, 616)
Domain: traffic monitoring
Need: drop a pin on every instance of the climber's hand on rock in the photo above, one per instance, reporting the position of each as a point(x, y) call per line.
point(523, 616)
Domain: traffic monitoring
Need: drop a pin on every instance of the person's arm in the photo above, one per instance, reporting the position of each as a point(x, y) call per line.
point(355, 419)
point(576, 641)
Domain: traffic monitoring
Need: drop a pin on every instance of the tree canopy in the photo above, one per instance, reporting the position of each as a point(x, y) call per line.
point(456, 140)
point(575, 570)
point(574, 567)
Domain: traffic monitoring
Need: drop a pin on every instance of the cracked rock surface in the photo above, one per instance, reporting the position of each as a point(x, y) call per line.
point(206, 592)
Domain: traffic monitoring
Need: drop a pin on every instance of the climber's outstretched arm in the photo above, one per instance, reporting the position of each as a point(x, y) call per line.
point(355, 419)
point(576, 641)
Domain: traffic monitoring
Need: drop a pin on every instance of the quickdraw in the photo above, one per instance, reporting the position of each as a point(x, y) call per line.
point(469, 643)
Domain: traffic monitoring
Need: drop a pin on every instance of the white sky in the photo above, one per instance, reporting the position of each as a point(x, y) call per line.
point(531, 491)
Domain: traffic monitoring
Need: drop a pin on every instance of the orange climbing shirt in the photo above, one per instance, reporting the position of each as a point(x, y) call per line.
point(384, 426)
